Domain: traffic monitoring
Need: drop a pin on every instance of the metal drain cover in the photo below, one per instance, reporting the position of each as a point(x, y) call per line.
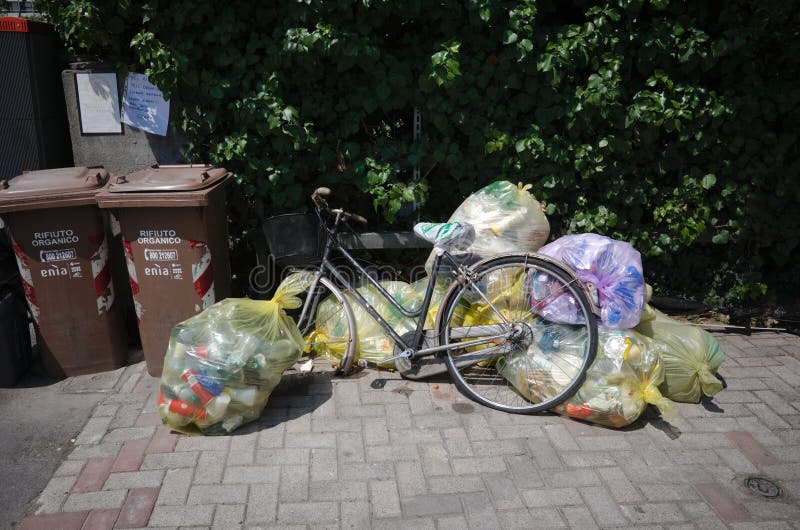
point(763, 486)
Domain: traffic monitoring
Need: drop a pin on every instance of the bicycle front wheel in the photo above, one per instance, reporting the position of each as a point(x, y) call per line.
point(329, 328)
point(518, 360)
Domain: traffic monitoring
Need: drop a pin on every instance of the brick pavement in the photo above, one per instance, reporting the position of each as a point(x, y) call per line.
point(377, 451)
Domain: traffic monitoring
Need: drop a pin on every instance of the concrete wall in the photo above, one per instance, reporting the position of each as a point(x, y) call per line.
point(132, 150)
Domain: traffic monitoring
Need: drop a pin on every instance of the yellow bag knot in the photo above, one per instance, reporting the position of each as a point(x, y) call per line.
point(652, 395)
point(523, 187)
point(708, 381)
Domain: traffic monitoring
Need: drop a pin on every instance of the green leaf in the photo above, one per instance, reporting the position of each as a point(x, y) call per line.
point(721, 238)
point(709, 181)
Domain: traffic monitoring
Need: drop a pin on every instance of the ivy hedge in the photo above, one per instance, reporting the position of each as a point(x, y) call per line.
point(670, 124)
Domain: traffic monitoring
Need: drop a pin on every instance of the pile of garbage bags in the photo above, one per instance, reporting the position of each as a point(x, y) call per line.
point(222, 364)
point(643, 358)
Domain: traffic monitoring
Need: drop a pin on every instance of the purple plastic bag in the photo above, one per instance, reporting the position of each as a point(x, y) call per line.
point(613, 267)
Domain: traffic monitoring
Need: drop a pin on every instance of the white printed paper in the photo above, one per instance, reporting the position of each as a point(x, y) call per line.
point(98, 102)
point(144, 106)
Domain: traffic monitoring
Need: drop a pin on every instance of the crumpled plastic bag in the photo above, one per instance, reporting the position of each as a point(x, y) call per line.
point(691, 357)
point(506, 218)
point(619, 385)
point(373, 344)
point(648, 311)
point(222, 364)
point(613, 267)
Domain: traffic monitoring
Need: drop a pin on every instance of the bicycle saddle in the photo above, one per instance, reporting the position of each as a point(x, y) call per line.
point(454, 235)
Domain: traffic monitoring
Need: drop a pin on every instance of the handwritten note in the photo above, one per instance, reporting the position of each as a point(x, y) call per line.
point(144, 106)
point(98, 102)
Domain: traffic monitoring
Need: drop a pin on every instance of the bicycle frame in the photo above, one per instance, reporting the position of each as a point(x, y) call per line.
point(413, 348)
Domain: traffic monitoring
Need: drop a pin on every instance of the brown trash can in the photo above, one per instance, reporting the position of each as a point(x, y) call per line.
point(62, 249)
point(174, 229)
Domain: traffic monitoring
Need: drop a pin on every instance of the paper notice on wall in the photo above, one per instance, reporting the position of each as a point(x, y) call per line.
point(144, 106)
point(98, 102)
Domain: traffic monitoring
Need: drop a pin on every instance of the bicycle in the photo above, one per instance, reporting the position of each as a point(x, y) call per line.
point(488, 323)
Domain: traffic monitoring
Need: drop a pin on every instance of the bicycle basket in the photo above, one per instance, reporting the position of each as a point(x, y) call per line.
point(294, 238)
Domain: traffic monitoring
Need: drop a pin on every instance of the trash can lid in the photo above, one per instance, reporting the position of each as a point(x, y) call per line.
point(186, 177)
point(163, 186)
point(52, 188)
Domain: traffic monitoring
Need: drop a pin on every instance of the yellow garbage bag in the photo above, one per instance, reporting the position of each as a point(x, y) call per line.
point(373, 344)
point(619, 385)
point(506, 218)
point(222, 364)
point(691, 357)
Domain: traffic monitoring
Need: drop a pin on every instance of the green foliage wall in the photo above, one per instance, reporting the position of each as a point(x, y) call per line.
point(669, 124)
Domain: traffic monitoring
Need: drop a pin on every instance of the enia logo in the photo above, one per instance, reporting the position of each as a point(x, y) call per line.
point(156, 271)
point(54, 271)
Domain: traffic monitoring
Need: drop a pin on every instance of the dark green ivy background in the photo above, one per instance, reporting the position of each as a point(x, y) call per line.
point(672, 125)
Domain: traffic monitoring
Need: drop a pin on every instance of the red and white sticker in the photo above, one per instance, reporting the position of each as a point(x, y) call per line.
point(27, 280)
point(203, 276)
point(133, 279)
point(101, 274)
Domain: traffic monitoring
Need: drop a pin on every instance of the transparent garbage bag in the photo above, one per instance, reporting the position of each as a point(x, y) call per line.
point(506, 218)
point(222, 364)
point(373, 344)
point(619, 385)
point(691, 357)
point(613, 267)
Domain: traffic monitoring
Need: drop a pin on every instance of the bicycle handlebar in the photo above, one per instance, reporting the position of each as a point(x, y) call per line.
point(319, 196)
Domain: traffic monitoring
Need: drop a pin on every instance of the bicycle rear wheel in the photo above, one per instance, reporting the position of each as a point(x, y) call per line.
point(329, 327)
point(531, 364)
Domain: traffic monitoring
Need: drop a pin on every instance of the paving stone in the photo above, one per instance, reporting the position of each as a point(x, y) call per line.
point(95, 500)
point(572, 478)
point(352, 490)
point(183, 516)
point(218, 494)
point(723, 503)
point(94, 475)
point(366, 471)
point(546, 518)
point(137, 508)
point(99, 520)
point(307, 512)
point(54, 494)
point(459, 484)
point(169, 460)
point(751, 449)
point(93, 431)
point(432, 504)
point(435, 460)
point(272, 437)
point(210, 467)
point(384, 498)
point(175, 487)
point(544, 454)
point(243, 449)
point(293, 484)
point(250, 475)
point(62, 521)
point(621, 488)
point(578, 517)
point(503, 491)
point(134, 479)
point(410, 479)
point(229, 516)
point(479, 511)
point(283, 456)
point(470, 466)
point(324, 465)
point(389, 453)
point(163, 441)
point(69, 467)
point(604, 508)
point(311, 440)
point(350, 447)
point(375, 431)
point(203, 443)
point(525, 474)
point(767, 416)
point(451, 522)
point(131, 455)
point(354, 514)
point(657, 513)
point(544, 498)
point(262, 504)
point(668, 492)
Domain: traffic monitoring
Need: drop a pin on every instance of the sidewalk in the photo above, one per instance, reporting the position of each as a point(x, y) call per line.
point(377, 451)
